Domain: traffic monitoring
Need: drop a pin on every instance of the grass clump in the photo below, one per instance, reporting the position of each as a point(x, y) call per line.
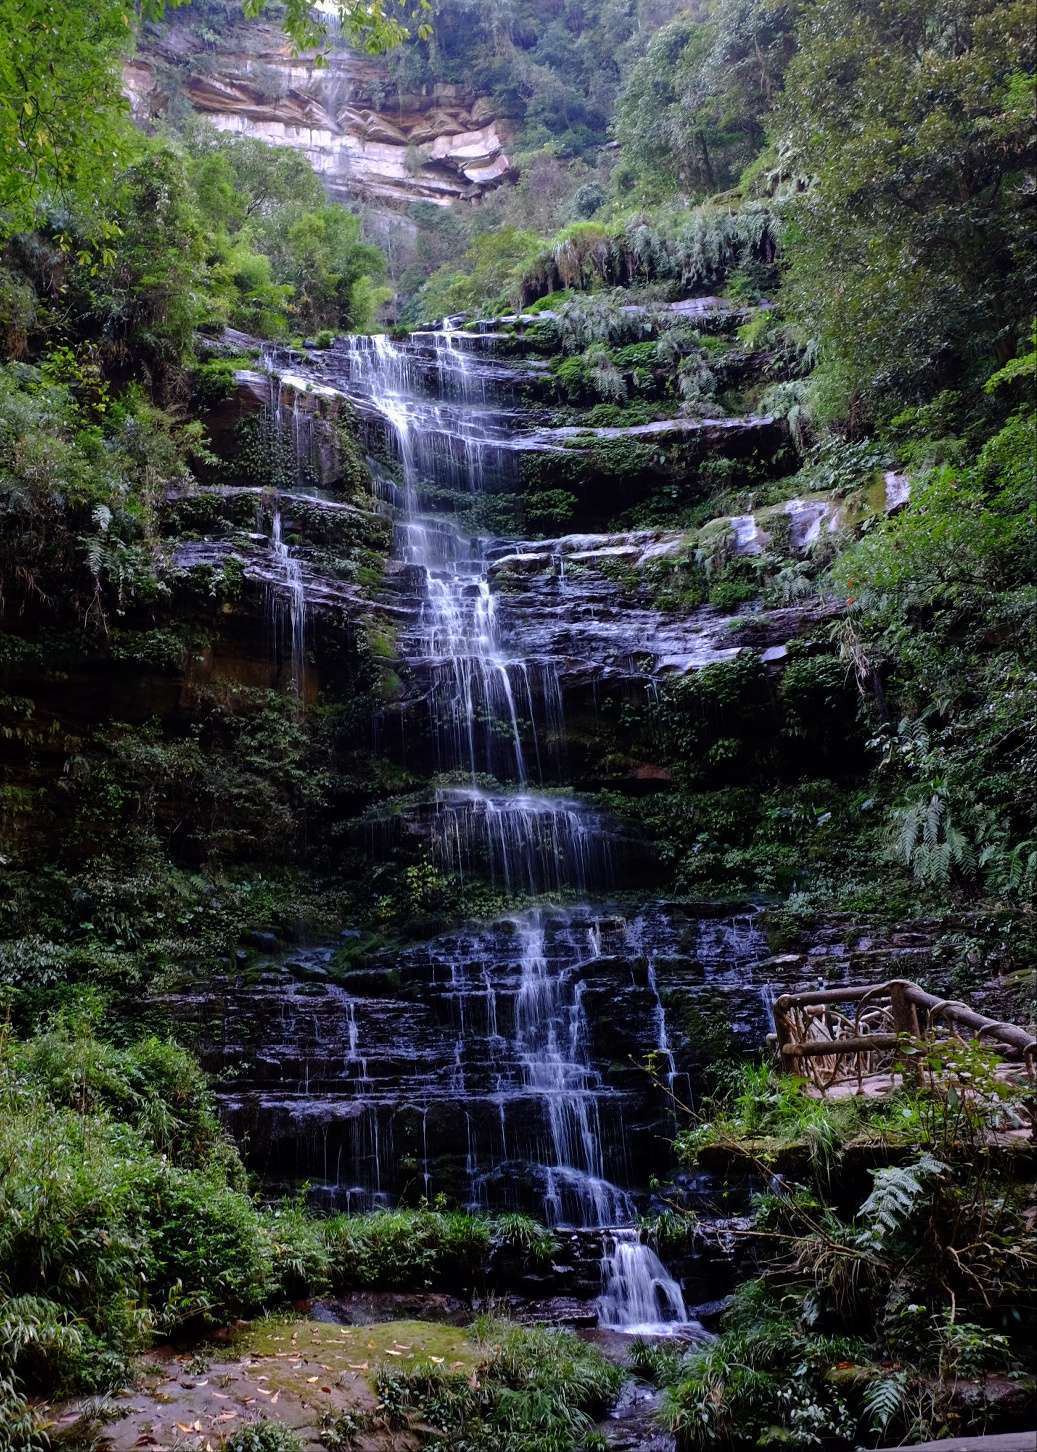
point(412, 1249)
point(535, 1391)
point(407, 1249)
point(263, 1436)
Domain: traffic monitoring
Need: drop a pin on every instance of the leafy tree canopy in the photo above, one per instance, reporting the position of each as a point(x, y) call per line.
point(911, 252)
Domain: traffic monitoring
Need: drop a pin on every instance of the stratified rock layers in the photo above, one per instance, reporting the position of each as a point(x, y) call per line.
point(365, 139)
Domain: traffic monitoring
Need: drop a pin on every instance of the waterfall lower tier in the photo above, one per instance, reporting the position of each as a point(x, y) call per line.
point(501, 1061)
point(639, 1296)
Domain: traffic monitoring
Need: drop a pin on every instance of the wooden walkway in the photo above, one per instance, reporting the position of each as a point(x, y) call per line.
point(1007, 1442)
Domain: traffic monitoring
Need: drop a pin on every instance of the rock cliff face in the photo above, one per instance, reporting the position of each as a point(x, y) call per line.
point(366, 140)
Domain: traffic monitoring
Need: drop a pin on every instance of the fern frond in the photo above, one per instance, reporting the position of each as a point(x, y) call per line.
point(897, 1193)
point(883, 1399)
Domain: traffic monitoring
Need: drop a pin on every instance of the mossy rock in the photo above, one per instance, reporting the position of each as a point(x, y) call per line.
point(299, 1373)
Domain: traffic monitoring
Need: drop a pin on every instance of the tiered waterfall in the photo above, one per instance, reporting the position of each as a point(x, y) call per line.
point(500, 1065)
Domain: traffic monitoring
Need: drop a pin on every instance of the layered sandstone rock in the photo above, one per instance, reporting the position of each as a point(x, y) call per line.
point(364, 138)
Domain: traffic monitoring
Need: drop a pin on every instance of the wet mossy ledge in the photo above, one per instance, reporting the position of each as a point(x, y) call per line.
point(294, 1384)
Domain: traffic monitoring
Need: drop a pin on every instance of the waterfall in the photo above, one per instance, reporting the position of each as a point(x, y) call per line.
point(517, 1029)
point(291, 573)
point(639, 1296)
point(550, 1040)
point(525, 841)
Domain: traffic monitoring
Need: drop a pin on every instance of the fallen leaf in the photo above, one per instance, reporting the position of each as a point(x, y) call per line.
point(274, 1397)
point(313, 1378)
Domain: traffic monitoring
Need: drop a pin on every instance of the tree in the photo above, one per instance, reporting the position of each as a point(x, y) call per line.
point(320, 254)
point(61, 129)
point(911, 253)
point(694, 109)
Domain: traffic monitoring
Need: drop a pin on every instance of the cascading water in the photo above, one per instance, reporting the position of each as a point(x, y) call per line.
point(291, 573)
point(640, 1296)
point(552, 1129)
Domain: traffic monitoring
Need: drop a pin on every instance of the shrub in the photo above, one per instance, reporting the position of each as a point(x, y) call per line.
point(537, 1392)
point(729, 594)
point(263, 1436)
point(407, 1249)
point(153, 1085)
point(520, 1233)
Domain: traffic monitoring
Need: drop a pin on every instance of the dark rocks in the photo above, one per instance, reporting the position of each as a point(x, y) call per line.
point(710, 1313)
point(557, 1311)
point(372, 1308)
point(267, 942)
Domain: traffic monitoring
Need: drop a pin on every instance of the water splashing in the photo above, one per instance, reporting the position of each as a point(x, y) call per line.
point(640, 1296)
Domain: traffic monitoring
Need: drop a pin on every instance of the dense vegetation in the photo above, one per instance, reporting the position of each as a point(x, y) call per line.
point(882, 1297)
point(861, 168)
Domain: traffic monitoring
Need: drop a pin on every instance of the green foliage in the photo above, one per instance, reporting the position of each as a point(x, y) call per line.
point(80, 481)
point(152, 1085)
point(487, 277)
point(896, 1195)
point(537, 1391)
point(408, 1249)
point(263, 1436)
point(758, 1388)
point(520, 1234)
point(104, 1236)
point(694, 108)
point(940, 596)
point(692, 249)
point(915, 121)
point(294, 259)
point(60, 131)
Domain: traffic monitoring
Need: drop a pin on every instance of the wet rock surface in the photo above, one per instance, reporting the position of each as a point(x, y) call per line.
point(411, 1072)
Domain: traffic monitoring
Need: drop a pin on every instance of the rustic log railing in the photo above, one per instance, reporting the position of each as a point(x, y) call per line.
point(835, 1036)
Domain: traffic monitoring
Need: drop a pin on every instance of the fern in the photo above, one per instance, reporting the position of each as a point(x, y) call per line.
point(793, 403)
point(897, 1193)
point(883, 1400)
point(925, 839)
point(606, 377)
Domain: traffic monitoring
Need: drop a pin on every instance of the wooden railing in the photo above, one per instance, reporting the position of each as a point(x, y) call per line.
point(835, 1036)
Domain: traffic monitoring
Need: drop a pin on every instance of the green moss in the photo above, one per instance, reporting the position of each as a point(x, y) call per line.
point(343, 1348)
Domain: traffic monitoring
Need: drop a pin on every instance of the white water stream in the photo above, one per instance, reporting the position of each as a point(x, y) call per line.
point(489, 708)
